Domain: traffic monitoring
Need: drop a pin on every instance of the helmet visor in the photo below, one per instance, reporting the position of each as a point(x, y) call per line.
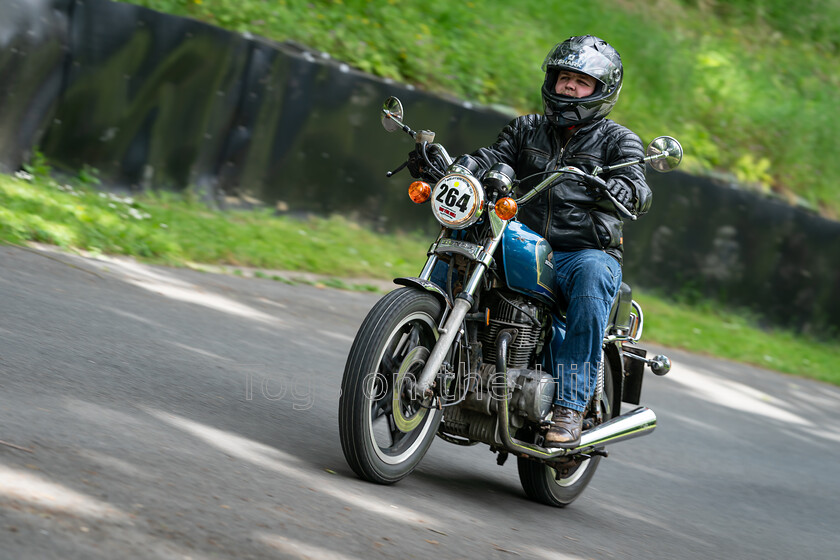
point(585, 60)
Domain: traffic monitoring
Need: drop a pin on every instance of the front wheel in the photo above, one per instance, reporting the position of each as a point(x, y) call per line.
point(384, 429)
point(560, 487)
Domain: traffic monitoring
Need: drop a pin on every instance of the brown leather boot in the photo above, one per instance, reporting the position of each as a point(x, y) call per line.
point(565, 428)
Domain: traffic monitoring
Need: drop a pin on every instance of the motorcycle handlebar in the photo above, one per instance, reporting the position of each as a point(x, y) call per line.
point(425, 139)
point(547, 182)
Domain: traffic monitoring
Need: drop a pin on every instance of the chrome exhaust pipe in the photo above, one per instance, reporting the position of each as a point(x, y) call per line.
point(636, 423)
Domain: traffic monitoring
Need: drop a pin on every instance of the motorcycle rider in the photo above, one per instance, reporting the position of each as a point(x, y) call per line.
point(583, 78)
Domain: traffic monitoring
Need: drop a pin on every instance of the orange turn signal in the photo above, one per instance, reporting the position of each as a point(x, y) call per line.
point(419, 191)
point(506, 208)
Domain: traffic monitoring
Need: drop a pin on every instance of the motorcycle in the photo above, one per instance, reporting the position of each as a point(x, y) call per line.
point(465, 354)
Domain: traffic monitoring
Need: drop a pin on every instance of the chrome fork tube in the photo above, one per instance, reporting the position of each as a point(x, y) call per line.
point(449, 332)
point(426, 273)
point(429, 267)
point(463, 303)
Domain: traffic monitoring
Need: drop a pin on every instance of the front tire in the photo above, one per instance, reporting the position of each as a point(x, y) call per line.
point(384, 430)
point(547, 485)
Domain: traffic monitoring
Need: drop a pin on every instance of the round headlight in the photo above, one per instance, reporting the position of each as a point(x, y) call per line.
point(458, 201)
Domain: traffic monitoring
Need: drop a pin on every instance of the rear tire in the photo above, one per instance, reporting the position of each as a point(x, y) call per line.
point(384, 434)
point(543, 484)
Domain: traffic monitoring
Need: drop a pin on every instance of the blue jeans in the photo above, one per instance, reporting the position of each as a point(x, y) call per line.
point(589, 280)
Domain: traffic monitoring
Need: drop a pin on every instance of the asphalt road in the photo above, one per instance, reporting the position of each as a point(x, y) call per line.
point(172, 414)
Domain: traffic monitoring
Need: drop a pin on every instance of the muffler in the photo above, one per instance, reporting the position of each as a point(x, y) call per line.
point(638, 422)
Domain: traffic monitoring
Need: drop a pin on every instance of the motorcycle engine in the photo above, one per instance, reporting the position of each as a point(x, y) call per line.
point(530, 390)
point(512, 311)
point(531, 394)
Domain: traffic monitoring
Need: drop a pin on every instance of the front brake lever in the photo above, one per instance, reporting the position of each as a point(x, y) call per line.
point(602, 188)
point(619, 206)
point(397, 170)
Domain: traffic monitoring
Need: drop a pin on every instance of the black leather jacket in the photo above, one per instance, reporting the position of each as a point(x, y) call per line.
point(570, 215)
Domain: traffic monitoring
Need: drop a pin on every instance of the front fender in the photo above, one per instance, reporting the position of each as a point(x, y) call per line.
point(428, 286)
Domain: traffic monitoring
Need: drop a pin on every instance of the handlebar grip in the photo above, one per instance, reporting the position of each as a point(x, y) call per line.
point(620, 207)
point(601, 185)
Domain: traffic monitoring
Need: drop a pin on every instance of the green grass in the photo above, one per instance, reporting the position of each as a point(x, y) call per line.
point(750, 87)
point(172, 229)
point(707, 329)
point(175, 230)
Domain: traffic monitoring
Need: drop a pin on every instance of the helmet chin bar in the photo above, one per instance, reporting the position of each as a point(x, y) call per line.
point(571, 111)
point(561, 120)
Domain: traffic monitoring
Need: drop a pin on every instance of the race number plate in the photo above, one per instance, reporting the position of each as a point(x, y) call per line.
point(457, 201)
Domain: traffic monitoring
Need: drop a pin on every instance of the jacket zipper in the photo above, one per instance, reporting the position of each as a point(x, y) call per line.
point(557, 162)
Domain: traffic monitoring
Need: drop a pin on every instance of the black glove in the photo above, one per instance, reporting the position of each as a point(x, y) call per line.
point(621, 192)
point(594, 185)
point(618, 189)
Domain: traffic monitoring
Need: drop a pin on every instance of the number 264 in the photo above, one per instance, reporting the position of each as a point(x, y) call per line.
point(449, 197)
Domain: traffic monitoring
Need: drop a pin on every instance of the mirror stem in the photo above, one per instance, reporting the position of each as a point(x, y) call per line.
point(629, 163)
point(404, 127)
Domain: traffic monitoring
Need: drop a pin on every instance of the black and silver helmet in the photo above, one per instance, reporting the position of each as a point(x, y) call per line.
point(588, 55)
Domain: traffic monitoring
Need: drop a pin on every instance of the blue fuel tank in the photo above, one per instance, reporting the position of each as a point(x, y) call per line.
point(528, 263)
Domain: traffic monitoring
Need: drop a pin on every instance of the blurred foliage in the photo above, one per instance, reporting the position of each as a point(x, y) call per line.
point(750, 87)
point(811, 21)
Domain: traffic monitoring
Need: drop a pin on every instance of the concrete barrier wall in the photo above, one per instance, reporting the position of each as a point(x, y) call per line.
point(34, 51)
point(703, 239)
point(153, 100)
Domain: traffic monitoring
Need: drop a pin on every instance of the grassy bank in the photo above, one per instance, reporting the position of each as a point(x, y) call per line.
point(750, 88)
point(173, 229)
point(176, 230)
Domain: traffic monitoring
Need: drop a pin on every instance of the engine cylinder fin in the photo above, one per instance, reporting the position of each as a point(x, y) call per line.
point(506, 316)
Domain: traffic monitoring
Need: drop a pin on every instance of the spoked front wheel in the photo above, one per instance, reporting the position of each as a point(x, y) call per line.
point(385, 430)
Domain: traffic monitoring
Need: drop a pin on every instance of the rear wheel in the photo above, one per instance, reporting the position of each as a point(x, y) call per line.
point(384, 429)
point(559, 487)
